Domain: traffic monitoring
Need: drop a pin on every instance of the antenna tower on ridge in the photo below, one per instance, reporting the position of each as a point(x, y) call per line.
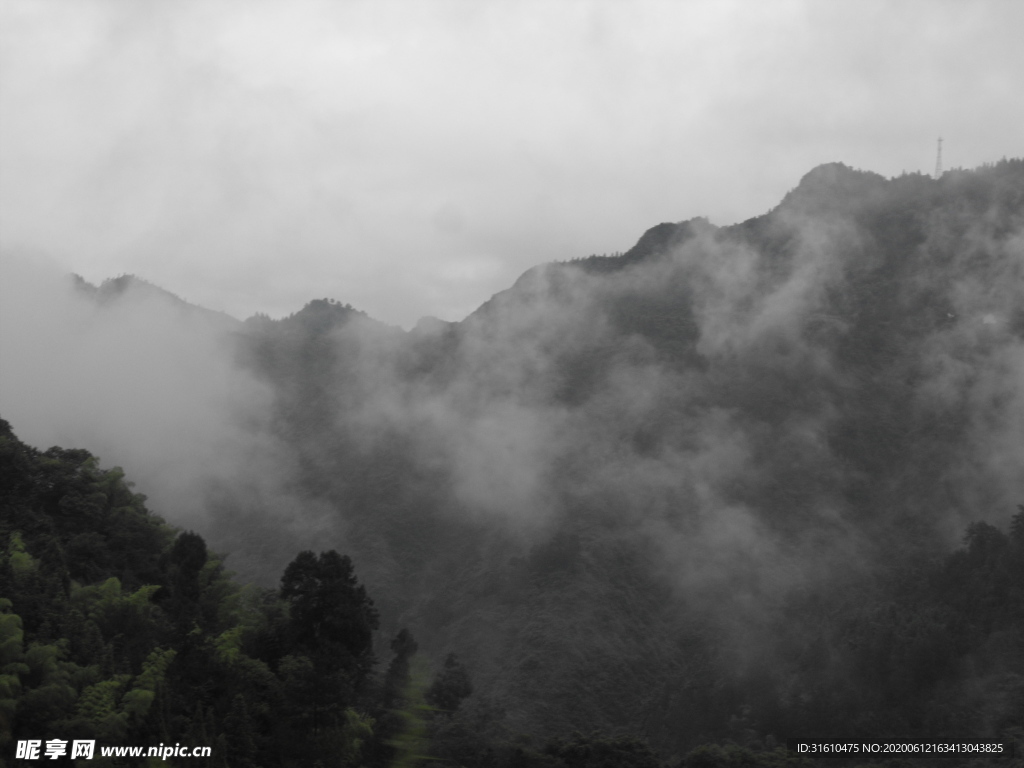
point(938, 160)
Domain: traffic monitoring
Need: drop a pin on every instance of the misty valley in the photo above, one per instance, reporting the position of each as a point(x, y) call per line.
point(670, 507)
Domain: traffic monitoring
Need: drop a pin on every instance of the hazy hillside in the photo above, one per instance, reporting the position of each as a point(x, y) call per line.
point(706, 489)
point(608, 484)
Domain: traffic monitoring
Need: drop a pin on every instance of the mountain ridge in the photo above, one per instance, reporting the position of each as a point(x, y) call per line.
point(658, 492)
point(817, 192)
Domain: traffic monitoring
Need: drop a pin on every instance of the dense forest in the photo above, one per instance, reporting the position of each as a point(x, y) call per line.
point(672, 506)
point(118, 628)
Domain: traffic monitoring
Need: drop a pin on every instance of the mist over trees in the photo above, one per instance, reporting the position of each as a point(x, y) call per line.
point(734, 485)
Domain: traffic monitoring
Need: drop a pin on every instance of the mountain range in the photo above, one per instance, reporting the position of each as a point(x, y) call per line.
point(711, 488)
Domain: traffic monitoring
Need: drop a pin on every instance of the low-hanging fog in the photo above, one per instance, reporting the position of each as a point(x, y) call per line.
point(604, 465)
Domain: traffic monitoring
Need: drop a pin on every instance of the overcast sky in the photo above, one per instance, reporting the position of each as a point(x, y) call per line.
point(413, 158)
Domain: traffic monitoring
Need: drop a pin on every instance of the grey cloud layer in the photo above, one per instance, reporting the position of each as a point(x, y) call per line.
point(414, 161)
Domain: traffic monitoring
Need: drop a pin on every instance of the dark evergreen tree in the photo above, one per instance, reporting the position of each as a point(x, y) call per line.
point(187, 557)
point(450, 687)
point(330, 637)
point(396, 680)
point(331, 616)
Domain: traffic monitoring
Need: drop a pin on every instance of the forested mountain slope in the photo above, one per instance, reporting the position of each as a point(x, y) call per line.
point(711, 488)
point(647, 491)
point(118, 630)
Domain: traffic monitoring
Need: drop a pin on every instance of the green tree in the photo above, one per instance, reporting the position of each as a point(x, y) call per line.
point(396, 680)
point(12, 667)
point(330, 615)
point(331, 621)
point(450, 687)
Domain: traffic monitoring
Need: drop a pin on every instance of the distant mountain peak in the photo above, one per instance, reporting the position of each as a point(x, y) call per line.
point(655, 242)
point(838, 174)
point(664, 236)
point(114, 289)
point(831, 184)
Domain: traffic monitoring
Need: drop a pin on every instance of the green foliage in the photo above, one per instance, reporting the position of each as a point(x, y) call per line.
point(450, 687)
point(21, 562)
point(106, 599)
point(228, 645)
point(97, 707)
point(12, 667)
point(355, 736)
point(137, 701)
point(48, 693)
point(331, 618)
point(159, 644)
